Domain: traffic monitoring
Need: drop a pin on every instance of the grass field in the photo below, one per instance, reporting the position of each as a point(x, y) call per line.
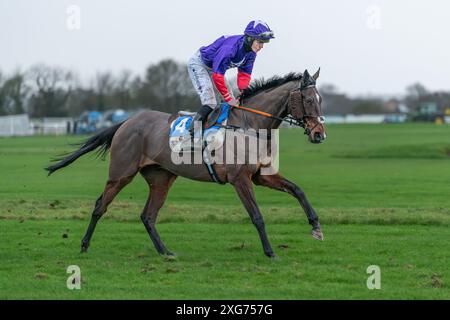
point(381, 192)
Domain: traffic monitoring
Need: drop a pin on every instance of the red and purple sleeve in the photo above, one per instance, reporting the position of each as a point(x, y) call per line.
point(219, 81)
point(243, 80)
point(245, 72)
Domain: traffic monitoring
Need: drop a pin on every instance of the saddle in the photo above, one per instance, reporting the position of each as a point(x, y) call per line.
point(212, 119)
point(211, 138)
point(180, 122)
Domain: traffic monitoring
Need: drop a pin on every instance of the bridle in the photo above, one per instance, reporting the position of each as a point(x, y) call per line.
point(297, 113)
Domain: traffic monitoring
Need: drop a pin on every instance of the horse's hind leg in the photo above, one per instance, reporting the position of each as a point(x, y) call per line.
point(112, 188)
point(124, 165)
point(159, 182)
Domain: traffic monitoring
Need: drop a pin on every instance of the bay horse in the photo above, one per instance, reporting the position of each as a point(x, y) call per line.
point(141, 145)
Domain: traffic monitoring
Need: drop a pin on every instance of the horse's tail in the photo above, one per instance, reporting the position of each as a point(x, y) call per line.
point(103, 139)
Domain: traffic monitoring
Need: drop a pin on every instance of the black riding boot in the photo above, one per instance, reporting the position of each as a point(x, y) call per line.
point(201, 115)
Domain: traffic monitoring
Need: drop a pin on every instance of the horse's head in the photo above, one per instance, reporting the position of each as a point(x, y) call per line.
point(305, 106)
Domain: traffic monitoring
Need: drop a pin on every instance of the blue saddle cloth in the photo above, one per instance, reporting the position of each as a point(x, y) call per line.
point(179, 127)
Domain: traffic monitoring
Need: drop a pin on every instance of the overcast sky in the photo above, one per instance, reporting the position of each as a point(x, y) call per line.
point(376, 47)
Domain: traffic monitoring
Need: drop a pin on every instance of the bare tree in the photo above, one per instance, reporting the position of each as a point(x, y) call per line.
point(416, 95)
point(123, 93)
point(54, 87)
point(169, 83)
point(417, 90)
point(104, 88)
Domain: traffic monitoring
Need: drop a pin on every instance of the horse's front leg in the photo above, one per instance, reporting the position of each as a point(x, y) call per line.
point(244, 189)
point(280, 183)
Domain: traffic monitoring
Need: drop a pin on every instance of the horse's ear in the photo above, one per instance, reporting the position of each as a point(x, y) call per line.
point(316, 75)
point(305, 77)
point(306, 74)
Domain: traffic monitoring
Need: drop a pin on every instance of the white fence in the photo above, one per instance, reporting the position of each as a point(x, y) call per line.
point(53, 126)
point(17, 125)
point(365, 118)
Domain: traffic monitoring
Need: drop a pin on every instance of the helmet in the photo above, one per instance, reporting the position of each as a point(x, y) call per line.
point(259, 30)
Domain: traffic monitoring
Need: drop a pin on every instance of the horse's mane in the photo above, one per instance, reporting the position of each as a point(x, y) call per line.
point(260, 85)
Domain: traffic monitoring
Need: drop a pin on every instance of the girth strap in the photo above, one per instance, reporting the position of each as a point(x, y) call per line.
point(210, 167)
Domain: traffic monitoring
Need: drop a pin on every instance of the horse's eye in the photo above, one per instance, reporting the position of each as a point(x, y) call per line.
point(309, 100)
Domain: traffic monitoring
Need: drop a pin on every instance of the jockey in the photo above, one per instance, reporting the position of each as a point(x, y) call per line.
point(208, 65)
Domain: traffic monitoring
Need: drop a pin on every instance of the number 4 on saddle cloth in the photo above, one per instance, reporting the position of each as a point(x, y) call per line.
point(213, 135)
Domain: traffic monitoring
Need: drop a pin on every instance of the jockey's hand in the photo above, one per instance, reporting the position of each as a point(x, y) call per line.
point(233, 102)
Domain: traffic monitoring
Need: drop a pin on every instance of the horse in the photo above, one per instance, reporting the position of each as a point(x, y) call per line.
point(140, 145)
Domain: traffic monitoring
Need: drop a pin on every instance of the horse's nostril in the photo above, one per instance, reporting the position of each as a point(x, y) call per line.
point(318, 136)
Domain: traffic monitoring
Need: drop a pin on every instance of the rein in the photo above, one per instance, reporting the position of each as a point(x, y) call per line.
point(289, 119)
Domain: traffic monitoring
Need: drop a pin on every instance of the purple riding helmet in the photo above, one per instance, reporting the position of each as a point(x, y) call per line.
point(259, 30)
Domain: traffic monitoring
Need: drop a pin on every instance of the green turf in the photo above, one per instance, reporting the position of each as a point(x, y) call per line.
point(381, 192)
point(223, 261)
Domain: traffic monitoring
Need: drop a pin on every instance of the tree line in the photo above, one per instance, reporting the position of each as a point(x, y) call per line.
point(415, 96)
point(46, 91)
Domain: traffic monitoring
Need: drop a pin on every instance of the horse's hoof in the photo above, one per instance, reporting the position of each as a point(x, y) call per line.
point(317, 234)
point(169, 258)
point(83, 250)
point(166, 253)
point(271, 255)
